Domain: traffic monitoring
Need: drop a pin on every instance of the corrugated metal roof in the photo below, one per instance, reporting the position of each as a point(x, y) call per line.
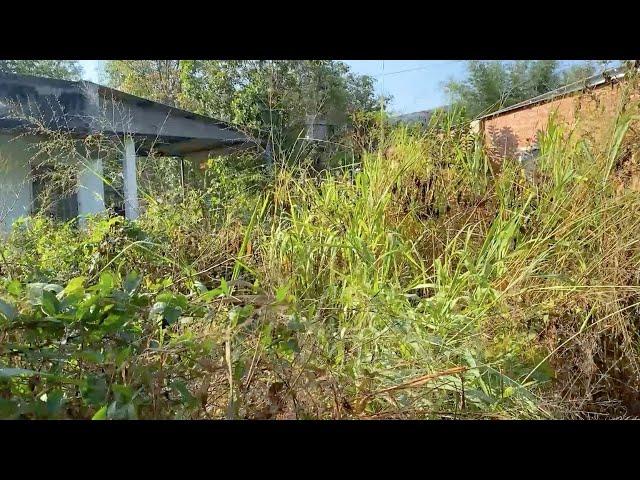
point(593, 81)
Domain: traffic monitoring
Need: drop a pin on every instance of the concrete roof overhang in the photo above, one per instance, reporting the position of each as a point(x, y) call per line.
point(85, 108)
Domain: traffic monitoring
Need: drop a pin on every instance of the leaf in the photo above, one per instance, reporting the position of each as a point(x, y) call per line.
point(167, 311)
point(8, 311)
point(122, 355)
point(289, 347)
point(75, 285)
point(211, 294)
point(124, 393)
point(34, 293)
point(158, 308)
point(115, 411)
point(18, 372)
point(90, 356)
point(53, 287)
point(106, 283)
point(281, 293)
point(14, 288)
point(295, 325)
point(200, 287)
point(224, 287)
point(50, 303)
point(171, 314)
point(479, 397)
point(55, 401)
point(169, 298)
point(131, 282)
point(186, 397)
point(267, 335)
point(132, 414)
point(73, 293)
point(112, 410)
point(100, 414)
point(509, 391)
point(114, 321)
point(94, 390)
point(544, 372)
point(8, 408)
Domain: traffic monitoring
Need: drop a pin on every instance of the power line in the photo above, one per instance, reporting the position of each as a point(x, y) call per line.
point(414, 69)
point(504, 96)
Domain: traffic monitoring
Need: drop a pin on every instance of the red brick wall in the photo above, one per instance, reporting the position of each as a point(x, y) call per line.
point(590, 111)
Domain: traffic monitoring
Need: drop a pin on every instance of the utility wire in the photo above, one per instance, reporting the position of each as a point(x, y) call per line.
point(426, 67)
point(504, 96)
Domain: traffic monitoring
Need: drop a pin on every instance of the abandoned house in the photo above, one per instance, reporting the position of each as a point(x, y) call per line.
point(588, 105)
point(34, 108)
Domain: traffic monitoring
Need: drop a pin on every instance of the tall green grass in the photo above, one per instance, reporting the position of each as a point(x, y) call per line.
point(423, 260)
point(416, 282)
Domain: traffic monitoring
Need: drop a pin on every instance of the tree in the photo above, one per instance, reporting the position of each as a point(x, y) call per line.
point(579, 73)
point(209, 86)
point(491, 85)
point(63, 69)
point(254, 93)
point(157, 80)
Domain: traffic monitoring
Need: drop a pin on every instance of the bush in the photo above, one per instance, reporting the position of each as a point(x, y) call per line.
point(417, 283)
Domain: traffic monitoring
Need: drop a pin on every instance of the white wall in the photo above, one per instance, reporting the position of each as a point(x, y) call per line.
point(16, 189)
point(15, 184)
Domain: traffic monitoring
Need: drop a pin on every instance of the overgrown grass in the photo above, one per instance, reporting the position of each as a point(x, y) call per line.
point(415, 283)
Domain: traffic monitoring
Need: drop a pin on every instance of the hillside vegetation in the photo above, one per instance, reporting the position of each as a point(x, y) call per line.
point(409, 280)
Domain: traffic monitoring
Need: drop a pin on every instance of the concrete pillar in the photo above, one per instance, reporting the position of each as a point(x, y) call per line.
point(131, 207)
point(90, 190)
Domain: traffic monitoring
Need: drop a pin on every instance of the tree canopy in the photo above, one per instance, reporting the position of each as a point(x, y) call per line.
point(491, 85)
point(63, 69)
point(254, 93)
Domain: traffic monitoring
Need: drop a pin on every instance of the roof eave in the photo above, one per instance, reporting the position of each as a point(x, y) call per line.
point(591, 82)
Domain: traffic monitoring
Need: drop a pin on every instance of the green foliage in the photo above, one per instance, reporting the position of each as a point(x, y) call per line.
point(257, 94)
point(409, 282)
point(157, 80)
point(84, 351)
point(63, 69)
point(492, 85)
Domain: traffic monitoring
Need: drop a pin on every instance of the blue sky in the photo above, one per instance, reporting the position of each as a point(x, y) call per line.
point(414, 84)
point(420, 88)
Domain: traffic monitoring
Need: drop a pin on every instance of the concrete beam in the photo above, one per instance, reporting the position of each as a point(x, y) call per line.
point(83, 108)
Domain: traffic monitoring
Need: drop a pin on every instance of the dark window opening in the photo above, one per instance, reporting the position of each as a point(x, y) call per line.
point(52, 196)
point(113, 185)
point(114, 199)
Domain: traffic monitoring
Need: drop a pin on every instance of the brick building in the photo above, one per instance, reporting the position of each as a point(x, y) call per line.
point(588, 106)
